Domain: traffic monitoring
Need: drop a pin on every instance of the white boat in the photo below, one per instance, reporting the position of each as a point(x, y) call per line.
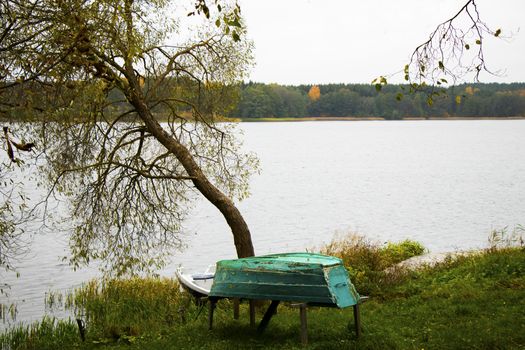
point(198, 284)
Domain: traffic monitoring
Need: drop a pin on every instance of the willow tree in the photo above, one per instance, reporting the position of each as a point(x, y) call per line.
point(124, 102)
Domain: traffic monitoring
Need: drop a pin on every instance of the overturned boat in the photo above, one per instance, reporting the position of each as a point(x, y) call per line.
point(310, 278)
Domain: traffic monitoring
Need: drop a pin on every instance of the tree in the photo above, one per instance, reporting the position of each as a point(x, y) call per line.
point(314, 93)
point(128, 165)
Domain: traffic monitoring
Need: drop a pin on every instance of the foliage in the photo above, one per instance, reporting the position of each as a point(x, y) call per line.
point(13, 212)
point(368, 262)
point(361, 100)
point(314, 93)
point(124, 104)
point(454, 51)
point(485, 293)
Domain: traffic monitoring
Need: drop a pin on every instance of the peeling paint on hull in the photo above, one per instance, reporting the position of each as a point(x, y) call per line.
point(299, 277)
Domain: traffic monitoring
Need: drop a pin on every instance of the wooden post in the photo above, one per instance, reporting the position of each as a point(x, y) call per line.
point(210, 313)
point(252, 313)
point(236, 303)
point(304, 325)
point(357, 320)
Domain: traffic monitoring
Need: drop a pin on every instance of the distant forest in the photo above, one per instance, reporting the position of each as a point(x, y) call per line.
point(362, 100)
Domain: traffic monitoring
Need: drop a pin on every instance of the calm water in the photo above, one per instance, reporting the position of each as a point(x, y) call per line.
point(446, 184)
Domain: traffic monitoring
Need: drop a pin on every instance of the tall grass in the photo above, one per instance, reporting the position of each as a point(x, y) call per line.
point(123, 308)
point(505, 237)
point(48, 333)
point(8, 312)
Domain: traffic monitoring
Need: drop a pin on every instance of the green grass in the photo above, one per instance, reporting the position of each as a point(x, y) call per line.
point(473, 302)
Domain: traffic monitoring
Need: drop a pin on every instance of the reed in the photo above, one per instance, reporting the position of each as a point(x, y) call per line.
point(129, 307)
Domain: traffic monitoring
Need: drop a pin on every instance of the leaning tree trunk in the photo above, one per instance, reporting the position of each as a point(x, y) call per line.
point(241, 233)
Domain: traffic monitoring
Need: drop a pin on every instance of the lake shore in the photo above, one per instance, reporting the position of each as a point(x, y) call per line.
point(483, 292)
point(325, 119)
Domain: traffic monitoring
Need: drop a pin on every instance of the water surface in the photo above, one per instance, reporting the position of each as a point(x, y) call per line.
point(446, 184)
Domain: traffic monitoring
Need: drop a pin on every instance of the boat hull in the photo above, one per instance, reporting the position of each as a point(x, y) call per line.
point(300, 277)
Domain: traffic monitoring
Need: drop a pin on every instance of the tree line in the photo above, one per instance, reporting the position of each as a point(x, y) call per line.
point(258, 100)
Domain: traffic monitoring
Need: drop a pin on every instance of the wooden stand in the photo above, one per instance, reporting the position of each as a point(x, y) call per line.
point(272, 310)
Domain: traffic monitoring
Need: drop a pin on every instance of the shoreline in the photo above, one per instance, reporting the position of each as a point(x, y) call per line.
point(323, 119)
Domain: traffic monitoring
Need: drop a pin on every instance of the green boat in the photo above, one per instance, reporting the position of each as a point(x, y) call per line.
point(304, 278)
point(299, 277)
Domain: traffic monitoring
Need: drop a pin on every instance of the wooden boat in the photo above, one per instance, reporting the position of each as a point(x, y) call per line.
point(302, 277)
point(198, 284)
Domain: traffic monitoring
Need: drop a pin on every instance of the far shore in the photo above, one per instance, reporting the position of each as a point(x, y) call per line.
point(322, 119)
point(311, 119)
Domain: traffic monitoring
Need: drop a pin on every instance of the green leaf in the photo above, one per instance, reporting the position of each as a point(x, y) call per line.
point(406, 77)
point(444, 80)
point(478, 42)
point(458, 99)
point(399, 96)
point(467, 46)
point(498, 32)
point(235, 36)
point(378, 87)
point(218, 22)
point(430, 101)
point(441, 65)
point(235, 23)
point(406, 69)
point(380, 81)
point(219, 7)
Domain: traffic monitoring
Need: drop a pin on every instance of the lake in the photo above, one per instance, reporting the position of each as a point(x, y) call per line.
point(446, 184)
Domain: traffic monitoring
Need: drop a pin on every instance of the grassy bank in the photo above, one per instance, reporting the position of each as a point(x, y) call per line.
point(473, 302)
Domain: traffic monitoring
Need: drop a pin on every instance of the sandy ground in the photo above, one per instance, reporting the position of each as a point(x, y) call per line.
point(431, 259)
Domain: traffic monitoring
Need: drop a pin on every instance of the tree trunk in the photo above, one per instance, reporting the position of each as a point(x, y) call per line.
point(241, 233)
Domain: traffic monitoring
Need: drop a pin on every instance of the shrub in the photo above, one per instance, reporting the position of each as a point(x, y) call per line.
point(394, 253)
point(368, 262)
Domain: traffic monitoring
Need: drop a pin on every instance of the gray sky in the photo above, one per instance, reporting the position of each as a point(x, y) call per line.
point(345, 41)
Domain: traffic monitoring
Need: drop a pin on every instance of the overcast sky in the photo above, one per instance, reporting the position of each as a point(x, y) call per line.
point(349, 41)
